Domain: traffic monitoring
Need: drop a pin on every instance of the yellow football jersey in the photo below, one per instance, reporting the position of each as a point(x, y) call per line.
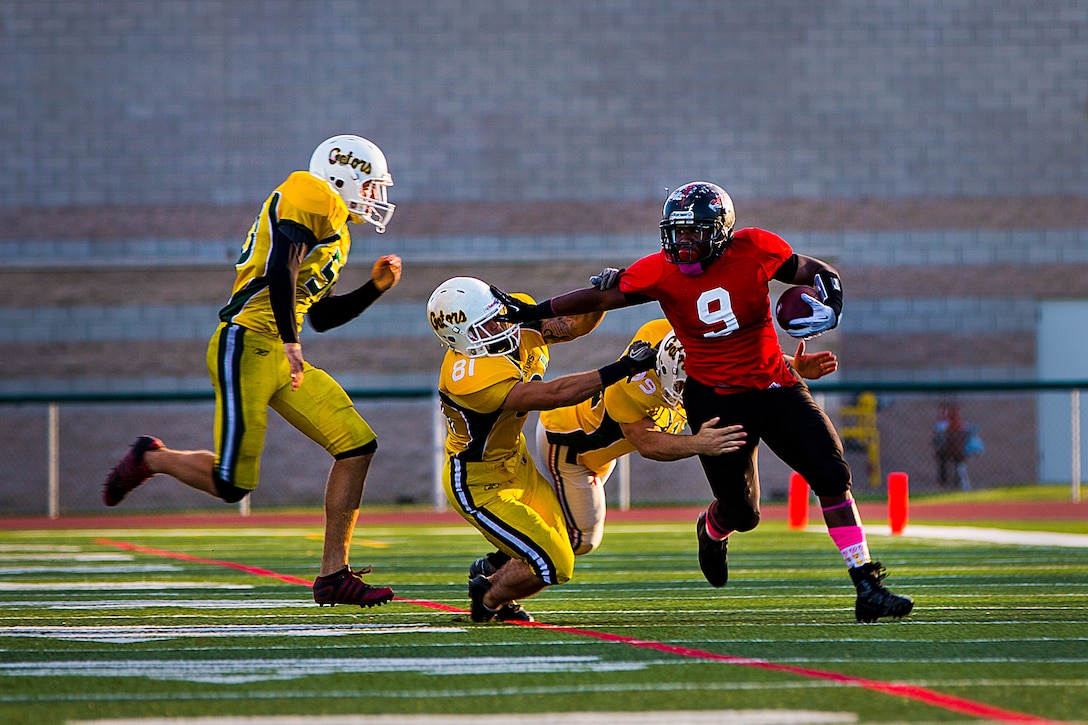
point(308, 201)
point(472, 391)
point(591, 428)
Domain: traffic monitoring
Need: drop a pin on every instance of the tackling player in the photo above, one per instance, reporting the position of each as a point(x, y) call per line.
point(713, 285)
point(289, 263)
point(579, 444)
point(491, 377)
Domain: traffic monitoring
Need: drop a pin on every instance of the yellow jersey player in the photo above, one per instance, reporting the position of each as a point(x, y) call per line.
point(288, 266)
point(491, 377)
point(579, 444)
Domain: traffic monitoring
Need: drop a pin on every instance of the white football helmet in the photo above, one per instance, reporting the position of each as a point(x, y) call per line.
point(356, 170)
point(670, 369)
point(462, 313)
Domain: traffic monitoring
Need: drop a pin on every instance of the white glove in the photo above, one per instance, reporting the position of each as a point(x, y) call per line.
point(822, 319)
point(606, 278)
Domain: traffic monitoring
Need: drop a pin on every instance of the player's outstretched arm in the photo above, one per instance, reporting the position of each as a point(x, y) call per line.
point(551, 394)
point(813, 366)
point(335, 310)
point(569, 327)
point(657, 445)
point(574, 388)
point(578, 302)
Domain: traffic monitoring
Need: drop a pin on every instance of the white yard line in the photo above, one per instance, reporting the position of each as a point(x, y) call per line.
point(701, 717)
point(991, 536)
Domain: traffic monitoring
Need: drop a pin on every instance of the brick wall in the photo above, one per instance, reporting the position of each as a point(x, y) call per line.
point(125, 102)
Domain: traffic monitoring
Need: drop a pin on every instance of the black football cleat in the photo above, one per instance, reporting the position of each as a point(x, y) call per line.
point(513, 612)
point(713, 557)
point(347, 587)
point(477, 587)
point(487, 565)
point(874, 601)
point(509, 612)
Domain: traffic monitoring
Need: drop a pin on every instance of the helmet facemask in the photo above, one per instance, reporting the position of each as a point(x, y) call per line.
point(356, 169)
point(670, 370)
point(370, 204)
point(693, 242)
point(696, 226)
point(462, 314)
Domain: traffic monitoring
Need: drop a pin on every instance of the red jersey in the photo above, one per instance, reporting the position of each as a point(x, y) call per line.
point(722, 316)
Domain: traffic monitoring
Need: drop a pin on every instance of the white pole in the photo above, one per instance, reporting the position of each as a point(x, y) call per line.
point(625, 482)
point(1075, 416)
point(438, 435)
point(54, 460)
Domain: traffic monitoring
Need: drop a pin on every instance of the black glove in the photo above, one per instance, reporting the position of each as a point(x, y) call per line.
point(606, 278)
point(519, 312)
point(640, 357)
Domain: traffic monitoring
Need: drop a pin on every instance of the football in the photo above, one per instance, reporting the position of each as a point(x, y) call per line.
point(790, 306)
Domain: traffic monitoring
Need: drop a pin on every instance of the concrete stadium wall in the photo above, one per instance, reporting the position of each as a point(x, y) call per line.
point(130, 102)
point(935, 150)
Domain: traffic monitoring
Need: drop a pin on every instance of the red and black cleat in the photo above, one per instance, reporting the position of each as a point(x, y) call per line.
point(130, 471)
point(347, 587)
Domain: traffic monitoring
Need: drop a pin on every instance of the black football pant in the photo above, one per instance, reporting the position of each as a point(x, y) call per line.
point(793, 427)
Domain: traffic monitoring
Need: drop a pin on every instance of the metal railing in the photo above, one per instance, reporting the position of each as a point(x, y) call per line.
point(840, 399)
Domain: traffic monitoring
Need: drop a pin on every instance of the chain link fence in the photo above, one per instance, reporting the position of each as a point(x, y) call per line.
point(55, 453)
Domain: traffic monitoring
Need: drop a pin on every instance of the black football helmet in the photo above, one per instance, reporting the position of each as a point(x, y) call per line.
point(704, 209)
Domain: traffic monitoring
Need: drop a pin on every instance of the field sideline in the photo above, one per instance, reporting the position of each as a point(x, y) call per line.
point(208, 616)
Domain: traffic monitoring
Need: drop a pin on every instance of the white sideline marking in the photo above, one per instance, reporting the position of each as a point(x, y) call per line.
point(991, 536)
point(700, 717)
point(121, 634)
point(99, 604)
point(129, 569)
point(113, 586)
point(7, 548)
point(231, 672)
point(88, 556)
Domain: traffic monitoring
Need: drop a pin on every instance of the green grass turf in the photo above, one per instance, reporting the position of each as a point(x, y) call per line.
point(998, 624)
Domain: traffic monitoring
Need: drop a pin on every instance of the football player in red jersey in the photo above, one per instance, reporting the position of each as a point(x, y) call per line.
point(713, 285)
point(288, 266)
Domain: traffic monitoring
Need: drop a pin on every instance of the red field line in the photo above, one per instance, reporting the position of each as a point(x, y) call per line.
point(909, 692)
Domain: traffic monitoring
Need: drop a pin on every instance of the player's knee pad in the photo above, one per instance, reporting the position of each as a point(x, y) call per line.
point(744, 520)
point(228, 491)
point(584, 548)
point(836, 484)
point(364, 450)
point(583, 542)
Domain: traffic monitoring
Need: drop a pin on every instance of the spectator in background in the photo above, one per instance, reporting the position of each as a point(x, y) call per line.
point(953, 442)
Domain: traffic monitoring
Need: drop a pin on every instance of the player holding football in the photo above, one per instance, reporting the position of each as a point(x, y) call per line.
point(579, 444)
point(491, 377)
point(712, 284)
point(289, 263)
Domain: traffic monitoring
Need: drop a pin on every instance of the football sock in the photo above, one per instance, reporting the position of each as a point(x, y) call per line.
point(713, 529)
point(850, 539)
point(851, 543)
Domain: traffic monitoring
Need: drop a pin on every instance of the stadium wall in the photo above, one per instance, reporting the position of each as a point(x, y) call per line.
point(936, 151)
